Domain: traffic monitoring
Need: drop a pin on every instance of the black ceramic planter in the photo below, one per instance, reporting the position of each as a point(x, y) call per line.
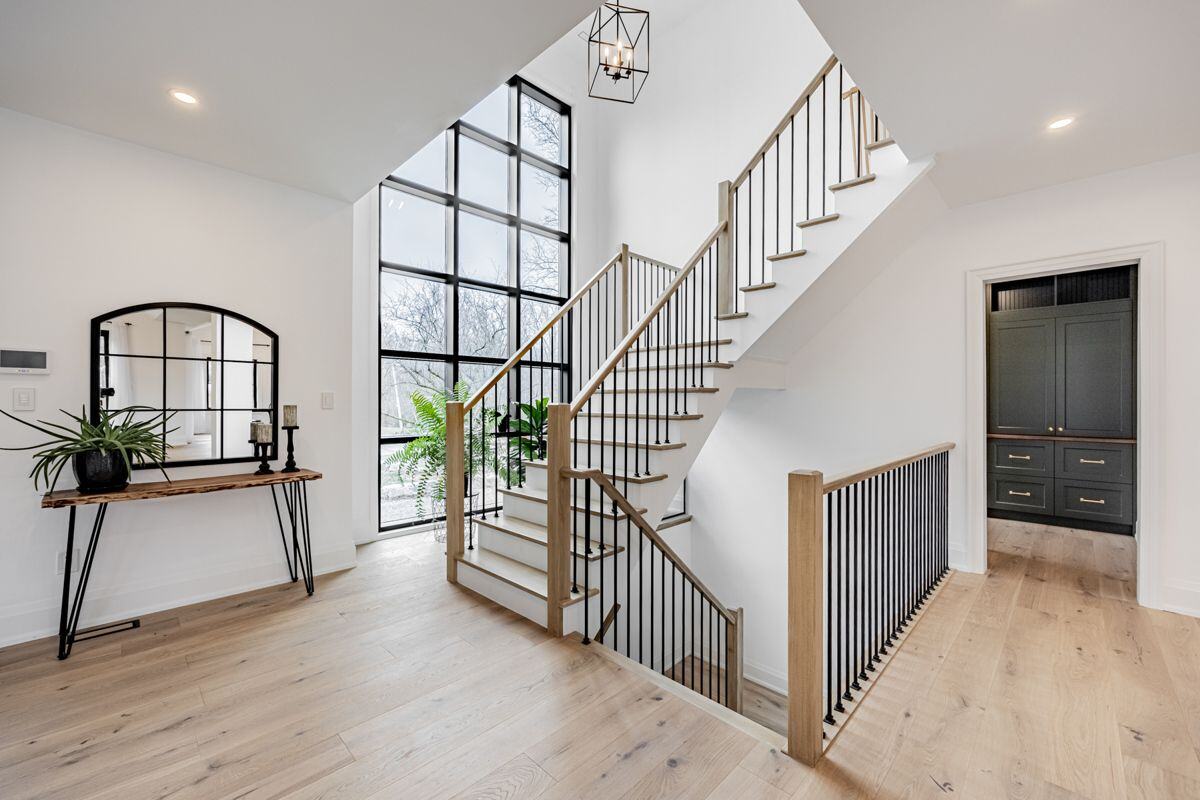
point(100, 471)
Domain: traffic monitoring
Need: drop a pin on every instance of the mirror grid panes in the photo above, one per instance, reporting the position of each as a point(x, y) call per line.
point(213, 370)
point(474, 249)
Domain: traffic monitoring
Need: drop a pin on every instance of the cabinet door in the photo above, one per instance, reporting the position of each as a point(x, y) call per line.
point(1094, 362)
point(1021, 376)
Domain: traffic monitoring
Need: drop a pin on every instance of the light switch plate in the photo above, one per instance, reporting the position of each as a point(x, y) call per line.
point(327, 401)
point(24, 400)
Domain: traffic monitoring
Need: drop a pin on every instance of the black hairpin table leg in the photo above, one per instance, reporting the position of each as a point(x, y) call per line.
point(68, 620)
point(299, 554)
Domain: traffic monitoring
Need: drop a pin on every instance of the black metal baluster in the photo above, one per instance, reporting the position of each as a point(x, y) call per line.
point(587, 543)
point(830, 638)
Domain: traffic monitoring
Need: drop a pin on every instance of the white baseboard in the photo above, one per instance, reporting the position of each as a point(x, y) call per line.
point(25, 622)
point(773, 679)
point(960, 561)
point(1181, 597)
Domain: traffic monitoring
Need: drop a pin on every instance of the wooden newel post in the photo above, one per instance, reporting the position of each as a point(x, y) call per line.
point(734, 659)
point(454, 489)
point(725, 277)
point(558, 515)
point(805, 634)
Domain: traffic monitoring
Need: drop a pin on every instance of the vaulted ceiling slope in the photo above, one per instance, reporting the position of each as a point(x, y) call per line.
point(978, 82)
point(326, 96)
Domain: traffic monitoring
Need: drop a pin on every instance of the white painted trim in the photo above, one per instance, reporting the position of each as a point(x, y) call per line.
point(1151, 341)
point(763, 675)
point(132, 599)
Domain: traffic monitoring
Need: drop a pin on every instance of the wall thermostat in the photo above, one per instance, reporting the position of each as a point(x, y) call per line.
point(24, 362)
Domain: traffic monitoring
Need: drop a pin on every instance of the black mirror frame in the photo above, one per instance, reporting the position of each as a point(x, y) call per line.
point(94, 400)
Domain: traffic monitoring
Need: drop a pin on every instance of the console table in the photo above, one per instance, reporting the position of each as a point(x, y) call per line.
point(294, 487)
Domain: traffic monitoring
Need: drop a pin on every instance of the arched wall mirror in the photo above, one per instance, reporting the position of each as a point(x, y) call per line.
point(216, 369)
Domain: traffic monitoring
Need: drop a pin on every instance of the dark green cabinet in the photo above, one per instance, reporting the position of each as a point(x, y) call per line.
point(1021, 376)
point(1062, 395)
point(1094, 384)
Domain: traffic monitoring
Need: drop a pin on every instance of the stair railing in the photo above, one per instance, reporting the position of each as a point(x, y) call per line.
point(823, 142)
point(489, 438)
point(672, 622)
point(866, 551)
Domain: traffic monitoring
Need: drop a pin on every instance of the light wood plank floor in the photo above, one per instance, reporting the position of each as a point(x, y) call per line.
point(1038, 680)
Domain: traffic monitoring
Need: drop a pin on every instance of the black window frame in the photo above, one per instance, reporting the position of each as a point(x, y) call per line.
point(454, 204)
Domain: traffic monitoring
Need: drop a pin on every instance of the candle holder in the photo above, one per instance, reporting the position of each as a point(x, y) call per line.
point(261, 451)
point(290, 464)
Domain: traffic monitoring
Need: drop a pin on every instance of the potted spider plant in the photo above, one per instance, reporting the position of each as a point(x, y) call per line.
point(101, 454)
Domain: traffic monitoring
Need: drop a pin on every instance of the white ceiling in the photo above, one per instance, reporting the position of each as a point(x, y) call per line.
point(326, 96)
point(977, 83)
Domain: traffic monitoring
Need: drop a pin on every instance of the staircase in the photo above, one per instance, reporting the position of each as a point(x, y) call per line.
point(564, 503)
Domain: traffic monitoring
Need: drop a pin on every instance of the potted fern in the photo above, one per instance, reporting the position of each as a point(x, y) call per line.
point(101, 454)
point(422, 461)
point(527, 437)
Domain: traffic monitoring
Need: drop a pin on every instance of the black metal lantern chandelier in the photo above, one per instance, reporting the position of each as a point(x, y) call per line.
point(618, 53)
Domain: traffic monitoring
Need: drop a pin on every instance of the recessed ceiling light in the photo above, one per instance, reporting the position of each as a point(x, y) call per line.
point(1061, 123)
point(187, 98)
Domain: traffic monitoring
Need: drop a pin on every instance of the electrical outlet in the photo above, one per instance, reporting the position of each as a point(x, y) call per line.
point(24, 399)
point(61, 562)
point(327, 401)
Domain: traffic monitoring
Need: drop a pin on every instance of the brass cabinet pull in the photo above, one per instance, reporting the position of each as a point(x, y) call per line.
point(1091, 461)
point(1019, 458)
point(1090, 500)
point(1024, 494)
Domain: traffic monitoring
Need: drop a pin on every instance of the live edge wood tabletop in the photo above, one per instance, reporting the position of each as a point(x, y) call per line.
point(297, 552)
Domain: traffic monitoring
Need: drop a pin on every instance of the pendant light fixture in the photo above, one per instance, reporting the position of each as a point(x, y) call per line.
point(618, 53)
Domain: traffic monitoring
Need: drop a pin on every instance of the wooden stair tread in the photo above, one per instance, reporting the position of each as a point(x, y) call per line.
point(671, 522)
point(635, 445)
point(597, 509)
point(682, 364)
point(881, 143)
point(788, 254)
point(808, 223)
point(531, 531)
point(667, 390)
point(758, 287)
point(614, 475)
point(859, 181)
point(663, 417)
point(515, 573)
point(733, 316)
point(682, 346)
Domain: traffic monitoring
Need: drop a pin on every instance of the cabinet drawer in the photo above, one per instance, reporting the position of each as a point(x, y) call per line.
point(1015, 457)
point(1107, 502)
point(1019, 493)
point(1112, 463)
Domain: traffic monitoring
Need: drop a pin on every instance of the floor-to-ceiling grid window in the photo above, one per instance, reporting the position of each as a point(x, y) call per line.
point(474, 258)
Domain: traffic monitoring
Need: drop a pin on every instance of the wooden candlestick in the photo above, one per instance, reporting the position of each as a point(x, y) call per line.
point(290, 464)
point(261, 450)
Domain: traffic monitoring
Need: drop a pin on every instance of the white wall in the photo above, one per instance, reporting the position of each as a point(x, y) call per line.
point(887, 376)
point(90, 224)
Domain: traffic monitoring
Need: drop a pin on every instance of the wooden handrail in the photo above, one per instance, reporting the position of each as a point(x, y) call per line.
point(782, 126)
point(843, 481)
point(525, 348)
point(653, 261)
point(607, 487)
point(614, 360)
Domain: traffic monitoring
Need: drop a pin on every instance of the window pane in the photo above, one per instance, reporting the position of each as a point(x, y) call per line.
point(397, 495)
point(399, 379)
point(482, 174)
point(412, 313)
point(541, 197)
point(543, 131)
point(491, 114)
point(482, 249)
point(482, 323)
point(475, 376)
point(539, 382)
point(540, 260)
point(412, 231)
point(534, 316)
point(428, 166)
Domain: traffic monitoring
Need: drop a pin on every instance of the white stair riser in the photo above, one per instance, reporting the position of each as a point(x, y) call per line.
point(668, 376)
point(520, 508)
point(527, 552)
point(663, 403)
point(535, 480)
point(531, 607)
point(607, 428)
point(580, 453)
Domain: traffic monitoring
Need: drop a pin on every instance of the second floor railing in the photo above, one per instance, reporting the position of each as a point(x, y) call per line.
point(865, 552)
